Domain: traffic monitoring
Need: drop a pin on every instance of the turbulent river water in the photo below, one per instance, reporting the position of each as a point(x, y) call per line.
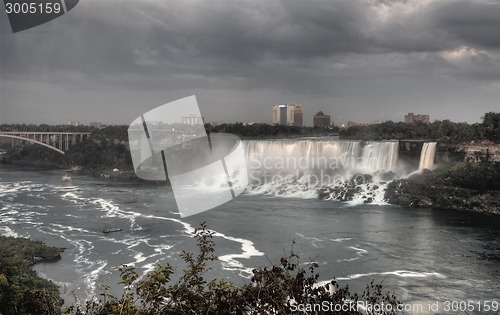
point(425, 256)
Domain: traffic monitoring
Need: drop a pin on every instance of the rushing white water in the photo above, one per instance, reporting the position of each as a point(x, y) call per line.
point(427, 156)
point(380, 156)
point(401, 247)
point(300, 167)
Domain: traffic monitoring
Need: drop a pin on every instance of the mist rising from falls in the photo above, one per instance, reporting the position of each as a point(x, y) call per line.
point(427, 156)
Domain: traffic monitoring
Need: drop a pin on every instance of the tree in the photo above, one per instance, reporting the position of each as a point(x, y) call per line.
point(491, 124)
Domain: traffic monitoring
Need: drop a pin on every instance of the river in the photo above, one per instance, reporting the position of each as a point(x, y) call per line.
point(425, 256)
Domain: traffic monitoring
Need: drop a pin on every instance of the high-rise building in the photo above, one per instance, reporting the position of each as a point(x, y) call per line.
point(322, 120)
point(287, 114)
point(297, 115)
point(412, 118)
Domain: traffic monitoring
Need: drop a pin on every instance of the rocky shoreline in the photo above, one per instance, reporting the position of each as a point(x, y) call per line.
point(461, 186)
point(426, 190)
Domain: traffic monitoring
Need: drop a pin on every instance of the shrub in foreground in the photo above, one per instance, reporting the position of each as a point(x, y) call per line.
point(285, 288)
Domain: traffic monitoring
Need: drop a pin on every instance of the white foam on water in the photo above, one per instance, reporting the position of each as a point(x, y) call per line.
point(188, 228)
point(11, 190)
point(73, 197)
point(294, 187)
point(113, 211)
point(90, 269)
point(359, 253)
point(397, 273)
point(368, 191)
point(339, 240)
point(230, 262)
point(7, 231)
point(314, 240)
point(91, 279)
point(67, 228)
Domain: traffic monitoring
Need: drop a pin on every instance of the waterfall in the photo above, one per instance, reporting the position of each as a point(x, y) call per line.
point(427, 155)
point(300, 167)
point(304, 155)
point(380, 156)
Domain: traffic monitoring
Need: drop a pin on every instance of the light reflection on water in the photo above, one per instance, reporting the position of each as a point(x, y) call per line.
point(421, 254)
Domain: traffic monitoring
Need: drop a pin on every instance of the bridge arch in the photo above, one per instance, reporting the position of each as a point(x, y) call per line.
point(34, 141)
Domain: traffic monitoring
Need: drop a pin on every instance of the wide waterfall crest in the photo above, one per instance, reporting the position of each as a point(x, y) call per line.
point(302, 167)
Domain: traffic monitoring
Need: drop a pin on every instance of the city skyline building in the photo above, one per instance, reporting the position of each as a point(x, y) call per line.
point(298, 115)
point(320, 119)
point(288, 114)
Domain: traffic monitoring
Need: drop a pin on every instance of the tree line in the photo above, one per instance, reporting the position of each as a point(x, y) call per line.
point(441, 130)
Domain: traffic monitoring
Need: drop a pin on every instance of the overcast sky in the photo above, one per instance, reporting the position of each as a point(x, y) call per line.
point(356, 60)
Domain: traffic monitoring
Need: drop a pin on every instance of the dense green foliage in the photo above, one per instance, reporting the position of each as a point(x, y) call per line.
point(94, 155)
point(22, 291)
point(274, 290)
point(33, 154)
point(491, 125)
point(108, 148)
point(479, 176)
point(444, 131)
point(118, 133)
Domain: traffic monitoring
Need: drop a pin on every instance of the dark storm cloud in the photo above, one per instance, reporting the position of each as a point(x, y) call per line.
point(474, 23)
point(441, 25)
point(298, 49)
point(232, 35)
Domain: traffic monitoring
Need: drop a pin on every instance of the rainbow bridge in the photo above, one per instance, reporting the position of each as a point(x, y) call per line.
point(57, 141)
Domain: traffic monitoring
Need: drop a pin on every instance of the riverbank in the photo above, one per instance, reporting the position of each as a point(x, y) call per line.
point(22, 291)
point(471, 187)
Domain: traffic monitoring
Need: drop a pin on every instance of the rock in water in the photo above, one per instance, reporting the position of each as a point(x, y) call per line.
point(107, 230)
